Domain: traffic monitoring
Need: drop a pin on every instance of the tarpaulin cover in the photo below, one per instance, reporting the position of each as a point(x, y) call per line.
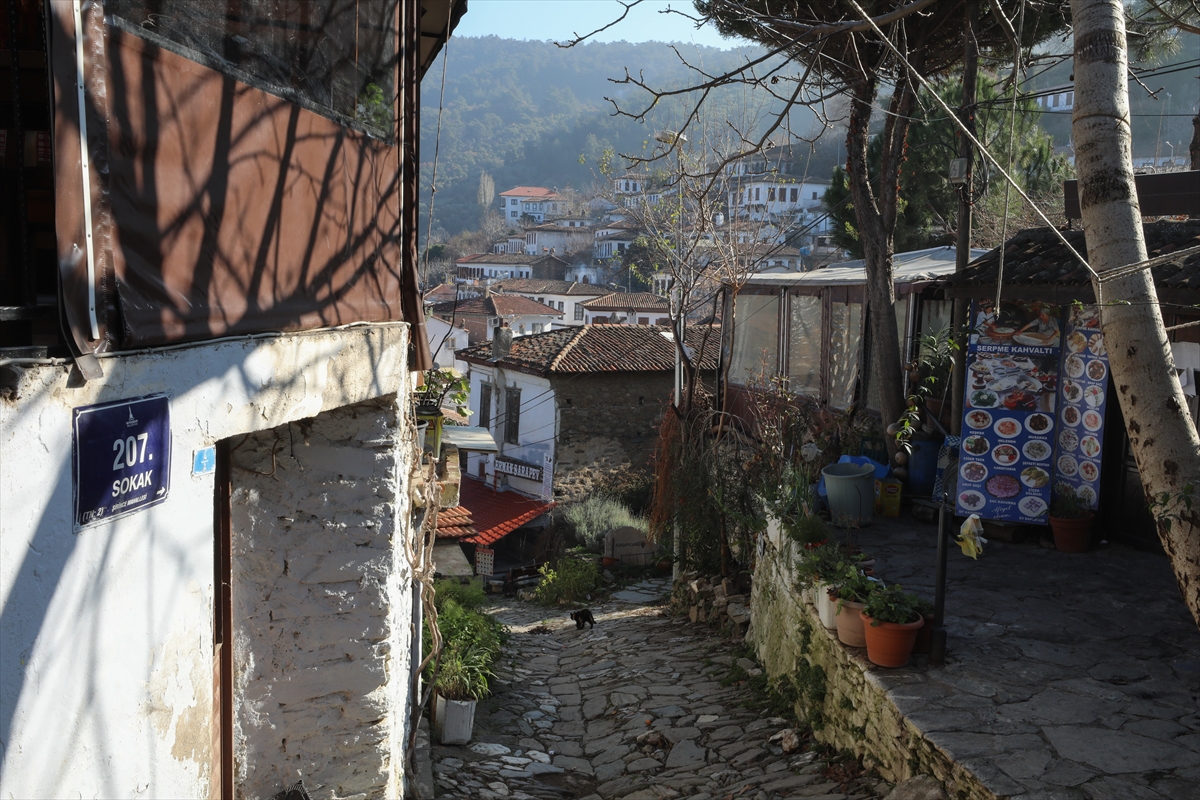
point(756, 338)
point(804, 346)
point(253, 180)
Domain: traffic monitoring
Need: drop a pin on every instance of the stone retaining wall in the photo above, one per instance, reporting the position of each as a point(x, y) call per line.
point(842, 695)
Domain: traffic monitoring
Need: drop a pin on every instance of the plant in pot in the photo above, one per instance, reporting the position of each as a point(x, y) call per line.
point(890, 625)
point(439, 385)
point(818, 569)
point(1071, 523)
point(851, 590)
point(928, 382)
point(462, 681)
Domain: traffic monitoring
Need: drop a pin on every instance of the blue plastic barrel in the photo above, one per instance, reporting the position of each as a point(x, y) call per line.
point(922, 467)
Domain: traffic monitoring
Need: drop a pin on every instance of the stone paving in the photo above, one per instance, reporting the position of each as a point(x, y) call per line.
point(632, 709)
point(1073, 677)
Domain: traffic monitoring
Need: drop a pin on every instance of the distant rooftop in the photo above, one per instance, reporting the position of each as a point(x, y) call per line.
point(624, 301)
point(598, 348)
point(538, 286)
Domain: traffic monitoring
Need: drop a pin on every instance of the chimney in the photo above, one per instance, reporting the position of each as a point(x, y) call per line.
point(502, 337)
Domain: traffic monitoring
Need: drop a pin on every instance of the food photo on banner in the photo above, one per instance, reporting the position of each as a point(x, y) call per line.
point(1081, 407)
point(1007, 451)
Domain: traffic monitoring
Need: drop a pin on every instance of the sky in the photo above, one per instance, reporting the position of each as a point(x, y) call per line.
point(559, 19)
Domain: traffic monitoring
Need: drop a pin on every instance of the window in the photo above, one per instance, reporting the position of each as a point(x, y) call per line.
point(579, 308)
point(770, 194)
point(334, 57)
point(537, 327)
point(795, 194)
point(521, 329)
point(804, 346)
point(560, 305)
point(844, 345)
point(512, 415)
point(512, 202)
point(756, 195)
point(756, 339)
point(485, 405)
point(814, 197)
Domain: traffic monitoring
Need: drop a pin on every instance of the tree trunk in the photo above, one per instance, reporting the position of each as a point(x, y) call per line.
point(876, 218)
point(1160, 430)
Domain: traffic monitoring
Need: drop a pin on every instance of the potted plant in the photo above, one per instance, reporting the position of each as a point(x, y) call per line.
point(817, 571)
point(439, 385)
point(890, 624)
point(1071, 523)
point(462, 680)
point(851, 591)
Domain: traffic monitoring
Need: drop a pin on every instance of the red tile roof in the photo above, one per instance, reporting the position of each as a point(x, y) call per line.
point(530, 191)
point(538, 286)
point(624, 301)
point(497, 305)
point(497, 514)
point(441, 294)
point(598, 348)
point(455, 523)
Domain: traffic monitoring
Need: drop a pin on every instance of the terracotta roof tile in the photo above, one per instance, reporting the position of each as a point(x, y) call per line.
point(497, 514)
point(538, 286)
point(623, 301)
point(496, 305)
point(530, 191)
point(520, 259)
point(599, 348)
point(455, 523)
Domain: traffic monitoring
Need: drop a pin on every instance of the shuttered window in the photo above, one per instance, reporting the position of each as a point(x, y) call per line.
point(512, 415)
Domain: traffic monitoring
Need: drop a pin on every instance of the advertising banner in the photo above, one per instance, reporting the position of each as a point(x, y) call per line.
point(1081, 407)
point(1007, 449)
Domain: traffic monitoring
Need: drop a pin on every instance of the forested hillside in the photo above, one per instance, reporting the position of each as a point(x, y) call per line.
point(533, 113)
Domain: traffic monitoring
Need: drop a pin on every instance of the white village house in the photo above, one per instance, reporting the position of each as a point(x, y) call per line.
point(565, 296)
point(205, 454)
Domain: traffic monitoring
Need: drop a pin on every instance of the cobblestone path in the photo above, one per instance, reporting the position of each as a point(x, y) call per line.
point(632, 710)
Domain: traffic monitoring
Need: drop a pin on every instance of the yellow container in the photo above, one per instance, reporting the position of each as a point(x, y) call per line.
point(889, 497)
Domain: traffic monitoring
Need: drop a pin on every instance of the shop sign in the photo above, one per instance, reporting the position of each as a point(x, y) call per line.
point(1007, 450)
point(121, 458)
point(1082, 407)
point(519, 469)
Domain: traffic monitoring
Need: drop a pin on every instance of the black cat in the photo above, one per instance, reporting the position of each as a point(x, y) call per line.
point(583, 616)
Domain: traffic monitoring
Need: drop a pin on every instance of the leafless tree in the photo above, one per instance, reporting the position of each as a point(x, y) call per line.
point(818, 52)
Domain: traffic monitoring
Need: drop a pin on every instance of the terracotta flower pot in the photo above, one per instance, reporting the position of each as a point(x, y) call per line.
point(1073, 535)
point(849, 623)
point(890, 644)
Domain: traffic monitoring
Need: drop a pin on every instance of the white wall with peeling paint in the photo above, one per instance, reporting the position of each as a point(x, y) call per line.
point(106, 635)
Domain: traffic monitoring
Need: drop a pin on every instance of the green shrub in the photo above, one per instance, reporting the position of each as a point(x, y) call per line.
point(465, 673)
point(568, 581)
point(468, 595)
point(591, 519)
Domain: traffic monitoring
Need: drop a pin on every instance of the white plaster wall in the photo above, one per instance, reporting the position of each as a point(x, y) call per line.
point(106, 635)
point(443, 343)
point(538, 426)
point(322, 596)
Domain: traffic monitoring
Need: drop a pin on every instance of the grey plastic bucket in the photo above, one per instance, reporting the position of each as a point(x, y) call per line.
point(851, 492)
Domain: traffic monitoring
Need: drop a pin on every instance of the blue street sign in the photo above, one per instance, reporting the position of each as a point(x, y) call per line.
point(204, 461)
point(121, 454)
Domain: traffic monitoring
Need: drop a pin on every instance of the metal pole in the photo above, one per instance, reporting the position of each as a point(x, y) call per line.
point(937, 642)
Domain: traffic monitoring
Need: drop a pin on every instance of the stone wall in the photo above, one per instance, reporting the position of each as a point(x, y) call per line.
point(607, 422)
point(842, 695)
point(322, 599)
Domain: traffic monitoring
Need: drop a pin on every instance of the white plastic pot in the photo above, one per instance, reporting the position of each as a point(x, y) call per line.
point(826, 607)
point(457, 720)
